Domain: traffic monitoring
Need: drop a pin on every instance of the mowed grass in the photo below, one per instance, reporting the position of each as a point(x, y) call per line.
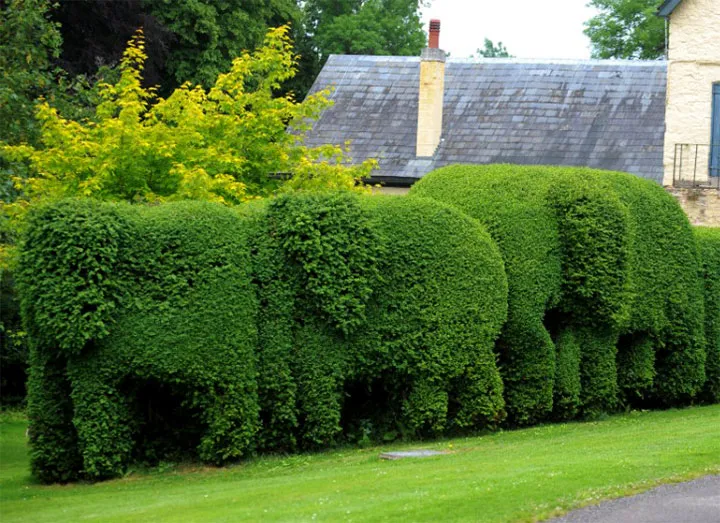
point(523, 475)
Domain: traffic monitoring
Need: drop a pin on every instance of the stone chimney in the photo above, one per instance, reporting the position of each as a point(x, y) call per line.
point(430, 102)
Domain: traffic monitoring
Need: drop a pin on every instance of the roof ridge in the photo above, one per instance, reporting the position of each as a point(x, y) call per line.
point(559, 61)
point(346, 58)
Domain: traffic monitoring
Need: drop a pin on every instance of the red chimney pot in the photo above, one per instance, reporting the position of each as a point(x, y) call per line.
point(434, 40)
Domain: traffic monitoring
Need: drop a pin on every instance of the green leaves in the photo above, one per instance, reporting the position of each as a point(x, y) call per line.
point(29, 41)
point(589, 256)
point(490, 50)
point(626, 29)
point(266, 328)
point(376, 27)
point(709, 246)
point(68, 279)
point(335, 249)
point(225, 144)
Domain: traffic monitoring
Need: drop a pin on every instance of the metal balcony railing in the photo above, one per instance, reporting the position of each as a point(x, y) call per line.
point(696, 165)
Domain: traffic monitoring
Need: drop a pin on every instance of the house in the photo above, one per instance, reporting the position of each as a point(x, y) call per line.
point(692, 120)
point(415, 114)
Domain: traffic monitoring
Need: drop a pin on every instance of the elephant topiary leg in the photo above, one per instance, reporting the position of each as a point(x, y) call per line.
point(319, 371)
point(527, 366)
point(232, 423)
point(480, 396)
point(54, 455)
point(426, 407)
point(103, 423)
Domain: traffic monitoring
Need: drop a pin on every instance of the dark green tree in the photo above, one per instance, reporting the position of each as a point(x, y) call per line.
point(29, 41)
point(627, 29)
point(373, 27)
point(188, 40)
point(490, 50)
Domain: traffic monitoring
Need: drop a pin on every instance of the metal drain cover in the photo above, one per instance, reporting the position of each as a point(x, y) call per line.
point(401, 454)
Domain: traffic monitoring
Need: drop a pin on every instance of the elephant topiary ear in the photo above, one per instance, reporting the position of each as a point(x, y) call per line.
point(68, 279)
point(329, 239)
point(595, 237)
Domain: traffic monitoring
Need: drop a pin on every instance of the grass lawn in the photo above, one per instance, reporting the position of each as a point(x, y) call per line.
point(521, 475)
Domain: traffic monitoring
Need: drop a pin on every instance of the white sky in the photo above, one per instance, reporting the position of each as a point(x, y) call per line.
point(527, 28)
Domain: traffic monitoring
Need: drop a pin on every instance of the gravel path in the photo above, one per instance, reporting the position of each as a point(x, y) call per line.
point(692, 502)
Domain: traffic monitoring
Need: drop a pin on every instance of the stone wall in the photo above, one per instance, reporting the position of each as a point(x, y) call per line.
point(701, 205)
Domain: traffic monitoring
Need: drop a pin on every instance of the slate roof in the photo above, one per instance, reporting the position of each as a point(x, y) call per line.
point(598, 113)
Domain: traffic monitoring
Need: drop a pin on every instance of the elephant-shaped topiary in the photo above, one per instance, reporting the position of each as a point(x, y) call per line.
point(605, 304)
point(156, 328)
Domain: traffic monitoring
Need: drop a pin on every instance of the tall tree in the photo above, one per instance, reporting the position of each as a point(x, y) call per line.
point(374, 27)
point(29, 42)
point(367, 27)
point(221, 144)
point(626, 29)
point(490, 50)
point(188, 40)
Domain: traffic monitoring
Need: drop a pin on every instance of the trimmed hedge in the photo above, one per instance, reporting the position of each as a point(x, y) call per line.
point(112, 293)
point(492, 293)
point(709, 246)
point(527, 234)
point(541, 218)
point(598, 261)
point(667, 305)
point(422, 338)
point(191, 327)
point(435, 316)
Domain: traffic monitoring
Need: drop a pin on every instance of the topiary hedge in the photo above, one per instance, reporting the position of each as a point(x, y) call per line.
point(191, 327)
point(532, 293)
point(709, 245)
point(434, 319)
point(113, 295)
point(364, 322)
point(598, 262)
point(523, 208)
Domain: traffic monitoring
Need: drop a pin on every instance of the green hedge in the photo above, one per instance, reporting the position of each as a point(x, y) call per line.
point(191, 327)
point(600, 262)
point(491, 293)
point(397, 326)
point(709, 246)
point(111, 293)
point(527, 234)
point(667, 308)
point(541, 217)
point(435, 316)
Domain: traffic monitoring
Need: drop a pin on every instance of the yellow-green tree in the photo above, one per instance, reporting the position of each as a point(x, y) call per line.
point(227, 144)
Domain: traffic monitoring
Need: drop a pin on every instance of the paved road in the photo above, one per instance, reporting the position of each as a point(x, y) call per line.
point(692, 502)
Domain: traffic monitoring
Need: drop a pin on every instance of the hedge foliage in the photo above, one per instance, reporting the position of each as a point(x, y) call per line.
point(190, 327)
point(709, 245)
point(492, 294)
point(604, 264)
point(112, 295)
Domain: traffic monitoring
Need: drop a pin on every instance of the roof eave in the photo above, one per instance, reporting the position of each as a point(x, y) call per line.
point(667, 7)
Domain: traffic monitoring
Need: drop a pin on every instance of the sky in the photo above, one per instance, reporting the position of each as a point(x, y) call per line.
point(527, 28)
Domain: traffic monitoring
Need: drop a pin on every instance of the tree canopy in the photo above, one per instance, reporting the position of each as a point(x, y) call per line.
point(228, 143)
point(186, 41)
point(372, 27)
point(490, 50)
point(626, 29)
point(197, 40)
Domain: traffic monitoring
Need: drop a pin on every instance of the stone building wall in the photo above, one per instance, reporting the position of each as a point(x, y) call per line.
point(693, 67)
point(701, 205)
